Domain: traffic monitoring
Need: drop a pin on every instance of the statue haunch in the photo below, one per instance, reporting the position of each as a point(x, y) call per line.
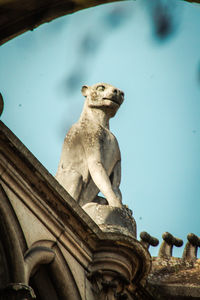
point(90, 160)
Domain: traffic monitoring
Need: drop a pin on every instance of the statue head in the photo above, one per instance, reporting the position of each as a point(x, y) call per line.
point(103, 96)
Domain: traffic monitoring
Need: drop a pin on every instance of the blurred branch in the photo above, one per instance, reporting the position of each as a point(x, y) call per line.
point(165, 18)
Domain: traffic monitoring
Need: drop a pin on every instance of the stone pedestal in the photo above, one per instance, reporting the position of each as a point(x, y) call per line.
point(120, 262)
point(112, 219)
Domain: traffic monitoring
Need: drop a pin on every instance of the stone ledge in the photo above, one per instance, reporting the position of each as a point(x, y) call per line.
point(172, 291)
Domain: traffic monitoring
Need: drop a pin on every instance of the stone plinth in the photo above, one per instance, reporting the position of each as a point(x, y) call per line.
point(112, 219)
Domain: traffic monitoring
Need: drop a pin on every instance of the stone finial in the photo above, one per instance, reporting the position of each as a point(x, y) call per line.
point(167, 245)
point(190, 251)
point(147, 240)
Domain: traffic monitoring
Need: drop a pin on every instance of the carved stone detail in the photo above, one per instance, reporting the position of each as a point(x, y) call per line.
point(190, 251)
point(108, 285)
point(115, 269)
point(167, 245)
point(91, 160)
point(147, 240)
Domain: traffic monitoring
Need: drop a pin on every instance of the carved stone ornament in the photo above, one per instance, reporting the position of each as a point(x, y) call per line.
point(108, 285)
point(117, 266)
point(90, 160)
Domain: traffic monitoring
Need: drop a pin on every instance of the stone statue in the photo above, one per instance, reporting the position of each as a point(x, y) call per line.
point(90, 160)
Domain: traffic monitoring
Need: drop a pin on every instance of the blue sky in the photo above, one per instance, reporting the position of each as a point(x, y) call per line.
point(158, 126)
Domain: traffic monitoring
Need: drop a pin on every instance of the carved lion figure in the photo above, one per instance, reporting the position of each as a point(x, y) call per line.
point(90, 160)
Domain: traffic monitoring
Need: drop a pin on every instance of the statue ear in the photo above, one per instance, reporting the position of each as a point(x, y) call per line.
point(84, 90)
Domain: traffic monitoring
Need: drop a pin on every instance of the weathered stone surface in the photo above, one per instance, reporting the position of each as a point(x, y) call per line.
point(190, 251)
point(117, 269)
point(147, 240)
point(90, 160)
point(174, 278)
point(169, 241)
point(112, 219)
point(172, 270)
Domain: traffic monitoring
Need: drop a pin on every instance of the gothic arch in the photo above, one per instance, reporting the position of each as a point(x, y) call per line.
point(48, 273)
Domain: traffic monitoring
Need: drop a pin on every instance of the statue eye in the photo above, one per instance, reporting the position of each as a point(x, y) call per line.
point(101, 88)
